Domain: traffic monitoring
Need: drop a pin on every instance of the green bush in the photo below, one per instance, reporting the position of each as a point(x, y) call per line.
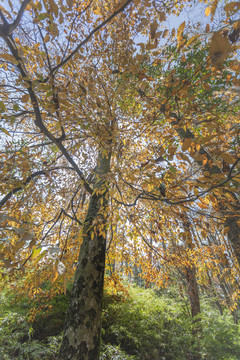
point(147, 325)
point(221, 337)
point(17, 343)
point(16, 334)
point(111, 352)
point(155, 326)
point(51, 322)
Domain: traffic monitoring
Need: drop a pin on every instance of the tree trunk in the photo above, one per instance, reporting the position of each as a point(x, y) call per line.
point(193, 293)
point(81, 339)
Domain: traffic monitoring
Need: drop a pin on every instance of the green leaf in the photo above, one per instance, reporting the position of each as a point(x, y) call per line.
point(2, 107)
point(15, 107)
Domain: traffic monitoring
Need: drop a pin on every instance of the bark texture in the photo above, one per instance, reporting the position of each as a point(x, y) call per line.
point(81, 339)
point(193, 291)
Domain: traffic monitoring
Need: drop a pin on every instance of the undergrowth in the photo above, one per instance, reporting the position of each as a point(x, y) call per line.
point(143, 325)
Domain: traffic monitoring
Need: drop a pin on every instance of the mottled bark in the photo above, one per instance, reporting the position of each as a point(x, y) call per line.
point(81, 339)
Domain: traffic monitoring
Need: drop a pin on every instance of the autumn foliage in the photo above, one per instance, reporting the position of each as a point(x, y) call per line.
point(120, 139)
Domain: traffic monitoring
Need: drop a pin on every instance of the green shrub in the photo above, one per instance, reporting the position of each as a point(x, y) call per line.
point(17, 343)
point(16, 334)
point(111, 352)
point(51, 322)
point(221, 337)
point(155, 326)
point(147, 325)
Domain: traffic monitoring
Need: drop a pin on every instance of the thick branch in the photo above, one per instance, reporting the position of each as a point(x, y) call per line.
point(7, 29)
point(38, 117)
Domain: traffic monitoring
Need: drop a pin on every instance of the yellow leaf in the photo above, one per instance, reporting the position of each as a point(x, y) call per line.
point(206, 200)
point(5, 131)
point(202, 206)
point(55, 275)
point(225, 230)
point(35, 253)
point(5, 11)
point(228, 158)
point(208, 11)
point(46, 39)
point(181, 27)
point(65, 284)
point(180, 31)
point(196, 192)
point(192, 39)
point(162, 16)
point(153, 29)
point(9, 58)
point(187, 143)
point(183, 58)
point(234, 65)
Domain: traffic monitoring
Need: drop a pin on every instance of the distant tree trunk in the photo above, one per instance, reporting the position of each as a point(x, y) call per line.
point(81, 339)
point(193, 292)
point(193, 295)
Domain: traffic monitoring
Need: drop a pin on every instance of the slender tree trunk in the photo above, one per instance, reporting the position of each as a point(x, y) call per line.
point(192, 289)
point(81, 339)
point(193, 295)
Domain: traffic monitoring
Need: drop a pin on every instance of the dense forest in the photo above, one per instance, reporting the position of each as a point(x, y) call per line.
point(119, 172)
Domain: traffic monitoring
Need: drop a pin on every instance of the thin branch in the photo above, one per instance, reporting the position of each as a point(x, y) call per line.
point(29, 178)
point(54, 223)
point(145, 195)
point(99, 27)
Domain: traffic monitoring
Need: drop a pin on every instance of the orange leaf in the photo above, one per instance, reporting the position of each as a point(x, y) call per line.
point(208, 11)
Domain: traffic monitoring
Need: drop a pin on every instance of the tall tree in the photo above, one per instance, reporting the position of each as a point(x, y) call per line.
point(81, 131)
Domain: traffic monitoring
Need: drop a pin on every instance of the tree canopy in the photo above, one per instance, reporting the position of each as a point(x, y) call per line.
point(120, 144)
